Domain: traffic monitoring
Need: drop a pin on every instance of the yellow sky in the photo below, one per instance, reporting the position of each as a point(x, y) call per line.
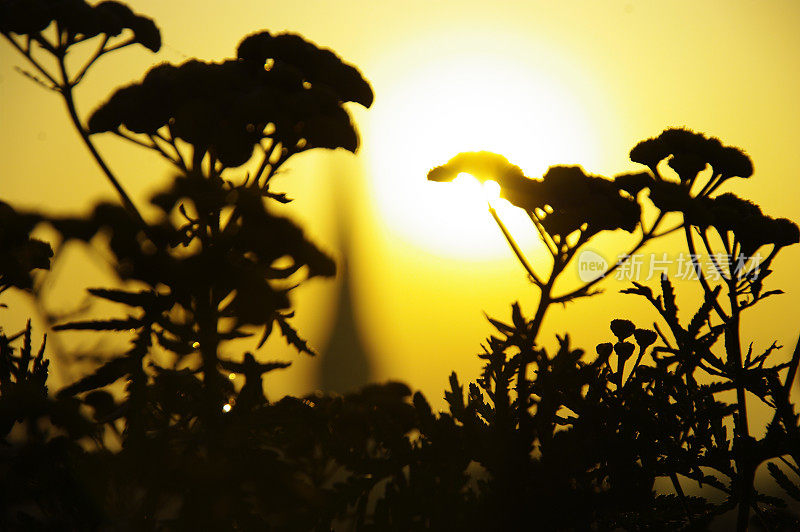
point(542, 82)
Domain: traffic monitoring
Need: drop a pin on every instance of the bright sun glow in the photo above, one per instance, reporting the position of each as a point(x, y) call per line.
point(472, 193)
point(467, 102)
point(491, 190)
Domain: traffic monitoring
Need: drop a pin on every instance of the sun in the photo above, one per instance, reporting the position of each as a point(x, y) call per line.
point(466, 101)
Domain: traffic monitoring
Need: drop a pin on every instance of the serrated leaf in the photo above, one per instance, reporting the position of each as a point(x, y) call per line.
point(292, 338)
point(769, 499)
point(704, 312)
point(639, 289)
point(110, 372)
point(669, 297)
point(141, 299)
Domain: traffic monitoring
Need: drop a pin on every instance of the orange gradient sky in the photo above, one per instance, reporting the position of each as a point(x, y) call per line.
point(540, 82)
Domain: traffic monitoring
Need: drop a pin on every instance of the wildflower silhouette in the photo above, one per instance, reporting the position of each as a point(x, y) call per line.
point(199, 274)
point(46, 28)
point(567, 207)
point(543, 439)
point(627, 425)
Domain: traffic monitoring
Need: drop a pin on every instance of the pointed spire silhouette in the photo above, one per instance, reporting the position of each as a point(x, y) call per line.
point(346, 363)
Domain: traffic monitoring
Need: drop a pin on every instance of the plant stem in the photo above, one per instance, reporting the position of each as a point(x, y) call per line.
point(100, 51)
point(30, 59)
point(66, 93)
point(515, 248)
point(699, 271)
point(787, 386)
point(544, 302)
point(679, 490)
point(646, 237)
point(546, 299)
point(546, 238)
point(745, 467)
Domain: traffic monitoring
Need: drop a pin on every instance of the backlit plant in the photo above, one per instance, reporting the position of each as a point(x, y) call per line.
point(543, 439)
point(665, 414)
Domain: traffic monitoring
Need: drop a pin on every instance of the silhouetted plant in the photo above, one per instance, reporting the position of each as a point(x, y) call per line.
point(39, 28)
point(205, 271)
point(742, 230)
point(567, 208)
point(43, 469)
point(545, 438)
point(621, 426)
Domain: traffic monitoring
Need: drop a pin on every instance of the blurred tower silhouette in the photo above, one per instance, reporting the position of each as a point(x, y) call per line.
point(345, 363)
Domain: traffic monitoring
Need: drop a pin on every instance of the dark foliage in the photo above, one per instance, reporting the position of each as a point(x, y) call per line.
point(79, 20)
point(546, 439)
point(228, 108)
point(21, 254)
point(566, 199)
